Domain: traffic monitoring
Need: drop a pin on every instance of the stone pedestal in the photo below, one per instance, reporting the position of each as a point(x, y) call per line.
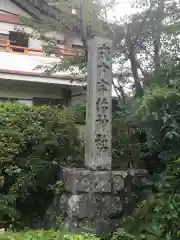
point(97, 200)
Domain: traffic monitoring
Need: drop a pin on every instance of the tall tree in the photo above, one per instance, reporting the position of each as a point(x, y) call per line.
point(79, 18)
point(142, 41)
point(146, 42)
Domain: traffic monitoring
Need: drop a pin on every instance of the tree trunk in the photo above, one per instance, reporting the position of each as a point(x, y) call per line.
point(157, 40)
point(132, 58)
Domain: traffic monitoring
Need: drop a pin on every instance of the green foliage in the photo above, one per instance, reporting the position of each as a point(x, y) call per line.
point(126, 148)
point(158, 217)
point(32, 235)
point(158, 114)
point(34, 143)
point(168, 75)
point(157, 117)
point(82, 236)
point(45, 235)
point(79, 112)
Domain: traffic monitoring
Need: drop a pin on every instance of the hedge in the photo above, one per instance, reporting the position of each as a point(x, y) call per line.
point(46, 235)
point(34, 143)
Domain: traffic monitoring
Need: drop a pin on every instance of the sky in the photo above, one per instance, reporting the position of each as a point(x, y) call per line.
point(123, 8)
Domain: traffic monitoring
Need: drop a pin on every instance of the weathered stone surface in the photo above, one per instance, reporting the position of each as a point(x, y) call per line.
point(139, 172)
point(80, 180)
point(111, 206)
point(88, 205)
point(99, 105)
point(118, 181)
point(82, 206)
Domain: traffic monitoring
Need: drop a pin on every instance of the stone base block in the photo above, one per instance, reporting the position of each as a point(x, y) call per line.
point(85, 181)
point(97, 200)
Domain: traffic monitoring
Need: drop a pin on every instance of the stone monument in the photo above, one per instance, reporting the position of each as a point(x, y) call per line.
point(99, 101)
point(95, 197)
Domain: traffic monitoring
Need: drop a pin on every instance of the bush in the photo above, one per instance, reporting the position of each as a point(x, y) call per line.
point(79, 112)
point(45, 235)
point(126, 148)
point(159, 116)
point(158, 217)
point(34, 143)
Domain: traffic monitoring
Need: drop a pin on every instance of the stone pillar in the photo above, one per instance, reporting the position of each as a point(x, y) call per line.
point(99, 101)
point(95, 197)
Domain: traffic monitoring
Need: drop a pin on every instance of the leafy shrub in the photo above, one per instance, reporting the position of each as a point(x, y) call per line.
point(126, 148)
point(167, 76)
point(158, 217)
point(34, 143)
point(45, 235)
point(32, 235)
point(159, 117)
point(79, 112)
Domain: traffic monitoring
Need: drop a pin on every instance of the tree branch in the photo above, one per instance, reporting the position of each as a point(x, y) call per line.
point(157, 41)
point(132, 58)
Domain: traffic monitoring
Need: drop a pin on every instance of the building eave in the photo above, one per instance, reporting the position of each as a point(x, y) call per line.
point(24, 7)
point(41, 78)
point(38, 9)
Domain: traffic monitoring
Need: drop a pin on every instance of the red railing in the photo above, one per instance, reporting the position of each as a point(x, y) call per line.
point(6, 46)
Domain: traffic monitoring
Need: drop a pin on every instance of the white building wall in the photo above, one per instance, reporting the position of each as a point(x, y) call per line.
point(8, 6)
point(34, 43)
point(20, 62)
point(5, 28)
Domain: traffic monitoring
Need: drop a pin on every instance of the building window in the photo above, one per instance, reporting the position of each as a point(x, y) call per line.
point(61, 42)
point(19, 41)
point(3, 100)
point(8, 99)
